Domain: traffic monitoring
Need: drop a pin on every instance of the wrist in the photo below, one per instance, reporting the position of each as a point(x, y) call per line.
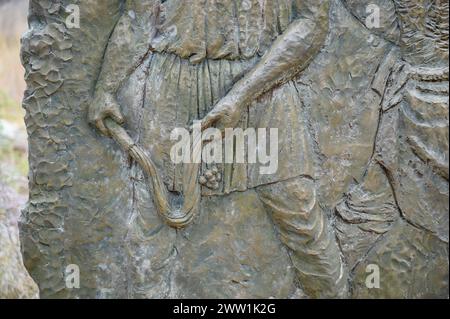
point(238, 96)
point(102, 92)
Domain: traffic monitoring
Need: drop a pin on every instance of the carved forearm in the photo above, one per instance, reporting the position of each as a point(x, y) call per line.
point(290, 54)
point(129, 44)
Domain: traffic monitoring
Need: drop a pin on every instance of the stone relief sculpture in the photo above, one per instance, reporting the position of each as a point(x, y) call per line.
point(362, 119)
point(235, 78)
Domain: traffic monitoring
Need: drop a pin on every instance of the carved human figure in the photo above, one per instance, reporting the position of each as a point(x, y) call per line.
point(417, 101)
point(228, 63)
point(412, 142)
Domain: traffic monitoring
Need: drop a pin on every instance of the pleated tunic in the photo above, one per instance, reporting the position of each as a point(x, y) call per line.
point(203, 47)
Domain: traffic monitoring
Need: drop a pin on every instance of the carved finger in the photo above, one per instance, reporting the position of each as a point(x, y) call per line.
point(91, 115)
point(115, 115)
point(210, 119)
point(101, 126)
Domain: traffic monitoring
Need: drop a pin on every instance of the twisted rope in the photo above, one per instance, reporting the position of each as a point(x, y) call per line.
point(174, 217)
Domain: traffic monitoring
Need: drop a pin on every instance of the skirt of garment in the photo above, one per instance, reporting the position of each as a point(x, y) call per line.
point(423, 169)
point(413, 145)
point(167, 92)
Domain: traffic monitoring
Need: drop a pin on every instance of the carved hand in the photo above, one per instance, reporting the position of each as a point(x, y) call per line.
point(104, 106)
point(225, 114)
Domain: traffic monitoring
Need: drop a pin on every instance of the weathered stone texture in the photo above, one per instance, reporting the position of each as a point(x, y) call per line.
point(15, 282)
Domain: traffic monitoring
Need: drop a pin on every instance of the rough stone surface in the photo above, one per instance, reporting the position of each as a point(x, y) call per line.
point(414, 264)
point(15, 282)
point(367, 111)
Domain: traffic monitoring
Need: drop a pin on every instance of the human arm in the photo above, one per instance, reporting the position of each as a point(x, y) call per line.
point(289, 55)
point(128, 46)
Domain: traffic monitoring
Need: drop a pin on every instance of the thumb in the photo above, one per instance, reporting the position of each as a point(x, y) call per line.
point(210, 119)
point(116, 115)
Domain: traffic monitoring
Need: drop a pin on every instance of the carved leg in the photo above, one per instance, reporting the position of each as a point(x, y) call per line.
point(303, 228)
